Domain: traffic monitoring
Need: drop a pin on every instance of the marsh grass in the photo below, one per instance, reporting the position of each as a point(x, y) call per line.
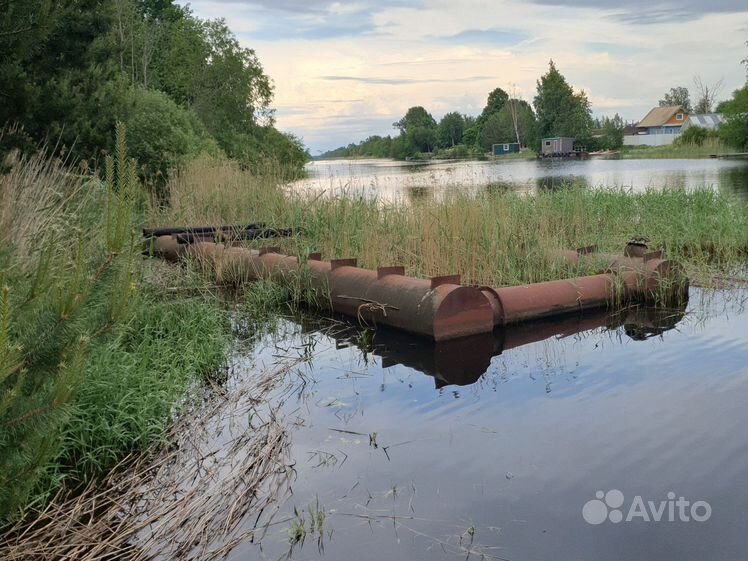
point(92, 358)
point(709, 147)
point(496, 238)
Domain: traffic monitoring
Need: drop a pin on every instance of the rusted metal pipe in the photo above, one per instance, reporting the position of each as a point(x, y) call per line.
point(168, 231)
point(165, 247)
point(439, 308)
point(248, 234)
point(544, 299)
point(649, 277)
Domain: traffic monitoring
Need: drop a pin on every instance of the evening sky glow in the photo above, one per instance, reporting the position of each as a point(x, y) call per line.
point(344, 71)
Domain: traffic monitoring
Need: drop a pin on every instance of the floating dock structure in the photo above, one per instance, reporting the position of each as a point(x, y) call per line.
point(440, 308)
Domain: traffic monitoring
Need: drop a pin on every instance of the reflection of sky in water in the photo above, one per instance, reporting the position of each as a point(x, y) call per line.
point(517, 454)
point(391, 180)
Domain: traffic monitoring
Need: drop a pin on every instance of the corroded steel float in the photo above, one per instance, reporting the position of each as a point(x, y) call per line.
point(439, 308)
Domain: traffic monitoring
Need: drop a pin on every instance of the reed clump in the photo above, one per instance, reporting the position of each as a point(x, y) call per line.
point(496, 238)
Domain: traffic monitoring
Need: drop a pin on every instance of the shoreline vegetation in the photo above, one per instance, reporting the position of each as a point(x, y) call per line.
point(496, 238)
point(99, 346)
point(557, 110)
point(707, 149)
point(95, 353)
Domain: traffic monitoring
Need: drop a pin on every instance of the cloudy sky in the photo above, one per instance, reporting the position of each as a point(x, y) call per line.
point(346, 70)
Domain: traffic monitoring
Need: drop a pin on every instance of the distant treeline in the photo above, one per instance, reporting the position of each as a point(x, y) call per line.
point(557, 110)
point(69, 70)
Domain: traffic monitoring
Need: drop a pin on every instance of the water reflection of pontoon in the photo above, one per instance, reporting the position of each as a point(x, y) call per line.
point(462, 361)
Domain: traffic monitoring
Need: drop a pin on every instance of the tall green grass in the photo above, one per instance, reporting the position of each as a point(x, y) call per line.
point(494, 238)
point(92, 357)
point(709, 147)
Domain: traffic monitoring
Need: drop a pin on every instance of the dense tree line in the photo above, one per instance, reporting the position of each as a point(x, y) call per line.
point(556, 111)
point(70, 69)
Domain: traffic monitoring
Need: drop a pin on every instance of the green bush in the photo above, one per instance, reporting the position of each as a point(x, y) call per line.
point(163, 135)
point(734, 131)
point(694, 136)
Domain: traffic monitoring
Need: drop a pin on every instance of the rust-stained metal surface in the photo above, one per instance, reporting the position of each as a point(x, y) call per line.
point(431, 307)
point(439, 308)
point(165, 247)
point(544, 299)
point(173, 230)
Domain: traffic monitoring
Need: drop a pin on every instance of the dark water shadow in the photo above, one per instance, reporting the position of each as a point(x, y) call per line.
point(463, 361)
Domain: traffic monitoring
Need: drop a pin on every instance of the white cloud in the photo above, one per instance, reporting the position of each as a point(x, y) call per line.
point(449, 55)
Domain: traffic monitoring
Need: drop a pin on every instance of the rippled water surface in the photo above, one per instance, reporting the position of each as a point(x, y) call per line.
point(393, 180)
point(493, 446)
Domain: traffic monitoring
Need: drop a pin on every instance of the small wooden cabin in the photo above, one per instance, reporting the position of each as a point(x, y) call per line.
point(557, 146)
point(506, 148)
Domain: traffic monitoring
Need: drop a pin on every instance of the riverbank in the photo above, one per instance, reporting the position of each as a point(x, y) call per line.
point(706, 149)
point(97, 347)
point(98, 356)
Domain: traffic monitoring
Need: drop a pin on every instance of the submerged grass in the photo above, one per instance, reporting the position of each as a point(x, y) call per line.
point(494, 238)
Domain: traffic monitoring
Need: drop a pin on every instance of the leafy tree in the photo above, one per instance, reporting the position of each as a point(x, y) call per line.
point(612, 132)
point(67, 69)
point(419, 130)
point(415, 117)
point(373, 147)
point(496, 100)
point(515, 120)
point(162, 134)
point(451, 128)
point(560, 111)
point(495, 130)
point(694, 136)
point(180, 59)
point(734, 131)
point(677, 96)
point(266, 146)
point(232, 91)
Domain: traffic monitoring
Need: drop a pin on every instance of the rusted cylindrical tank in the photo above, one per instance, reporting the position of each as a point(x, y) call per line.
point(439, 308)
point(168, 231)
point(544, 299)
point(649, 277)
point(165, 247)
point(662, 280)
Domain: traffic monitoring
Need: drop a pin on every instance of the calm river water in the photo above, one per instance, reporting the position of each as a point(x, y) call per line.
point(493, 449)
point(393, 180)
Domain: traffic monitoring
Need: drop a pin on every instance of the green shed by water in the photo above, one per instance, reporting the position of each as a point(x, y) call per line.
point(508, 148)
